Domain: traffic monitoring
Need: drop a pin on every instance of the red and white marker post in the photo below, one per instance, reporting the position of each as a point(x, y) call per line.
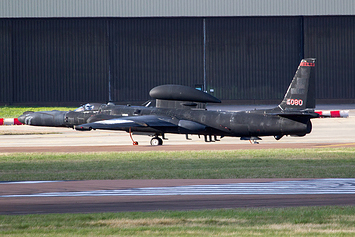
point(10, 121)
point(333, 113)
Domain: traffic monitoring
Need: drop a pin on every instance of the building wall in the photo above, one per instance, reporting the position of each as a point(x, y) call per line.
point(56, 60)
point(81, 60)
point(252, 58)
point(172, 8)
point(154, 51)
point(6, 66)
point(332, 41)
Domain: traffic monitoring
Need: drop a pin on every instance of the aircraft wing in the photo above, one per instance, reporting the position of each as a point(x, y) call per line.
point(123, 123)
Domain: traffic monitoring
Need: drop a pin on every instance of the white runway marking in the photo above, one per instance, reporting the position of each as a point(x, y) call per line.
point(318, 186)
point(28, 182)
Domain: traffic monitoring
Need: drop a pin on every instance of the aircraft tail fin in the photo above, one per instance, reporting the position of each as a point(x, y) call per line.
point(301, 92)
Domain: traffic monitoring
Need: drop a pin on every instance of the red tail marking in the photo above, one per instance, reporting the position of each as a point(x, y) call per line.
point(307, 64)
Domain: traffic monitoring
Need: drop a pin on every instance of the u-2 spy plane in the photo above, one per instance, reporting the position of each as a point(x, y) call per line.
point(182, 110)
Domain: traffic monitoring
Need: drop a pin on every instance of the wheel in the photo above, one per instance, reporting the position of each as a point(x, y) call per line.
point(156, 141)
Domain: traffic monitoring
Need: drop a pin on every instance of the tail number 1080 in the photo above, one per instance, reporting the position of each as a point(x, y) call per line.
point(294, 102)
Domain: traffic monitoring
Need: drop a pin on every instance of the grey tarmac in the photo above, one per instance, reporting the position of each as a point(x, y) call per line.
point(189, 147)
point(90, 204)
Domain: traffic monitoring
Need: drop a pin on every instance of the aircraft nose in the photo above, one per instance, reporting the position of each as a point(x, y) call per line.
point(25, 116)
point(30, 119)
point(45, 118)
point(22, 118)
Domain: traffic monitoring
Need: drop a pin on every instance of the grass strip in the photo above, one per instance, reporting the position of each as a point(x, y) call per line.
point(16, 111)
point(271, 163)
point(298, 221)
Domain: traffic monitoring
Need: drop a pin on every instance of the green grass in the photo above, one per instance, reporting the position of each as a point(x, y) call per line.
point(271, 163)
point(300, 221)
point(16, 111)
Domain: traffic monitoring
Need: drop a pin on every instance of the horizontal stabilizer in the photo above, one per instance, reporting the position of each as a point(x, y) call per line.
point(299, 113)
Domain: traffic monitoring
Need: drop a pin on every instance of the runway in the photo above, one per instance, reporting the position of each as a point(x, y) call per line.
point(152, 195)
point(143, 195)
point(188, 147)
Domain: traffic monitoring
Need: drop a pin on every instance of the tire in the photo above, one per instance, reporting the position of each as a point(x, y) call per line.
point(156, 141)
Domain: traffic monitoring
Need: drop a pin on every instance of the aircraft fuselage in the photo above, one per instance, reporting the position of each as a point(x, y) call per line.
point(222, 123)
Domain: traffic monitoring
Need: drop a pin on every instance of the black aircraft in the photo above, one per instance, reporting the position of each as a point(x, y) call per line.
point(182, 110)
point(84, 114)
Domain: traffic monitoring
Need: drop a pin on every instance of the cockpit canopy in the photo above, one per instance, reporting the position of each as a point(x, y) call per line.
point(88, 107)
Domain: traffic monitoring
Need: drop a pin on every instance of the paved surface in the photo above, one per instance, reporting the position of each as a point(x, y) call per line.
point(332, 132)
point(77, 197)
point(187, 147)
